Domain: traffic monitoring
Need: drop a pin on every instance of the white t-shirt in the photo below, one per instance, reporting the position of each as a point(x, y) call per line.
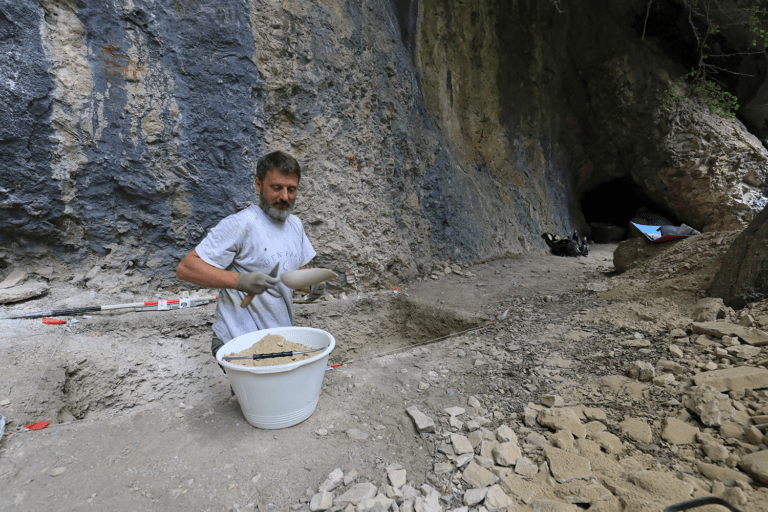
point(251, 241)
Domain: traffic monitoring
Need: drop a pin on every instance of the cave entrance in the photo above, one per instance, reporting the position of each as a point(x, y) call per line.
point(616, 202)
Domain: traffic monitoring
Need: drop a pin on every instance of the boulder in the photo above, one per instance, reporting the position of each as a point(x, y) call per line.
point(630, 253)
point(743, 274)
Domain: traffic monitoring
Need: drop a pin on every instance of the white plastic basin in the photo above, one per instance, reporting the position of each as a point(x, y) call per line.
point(282, 395)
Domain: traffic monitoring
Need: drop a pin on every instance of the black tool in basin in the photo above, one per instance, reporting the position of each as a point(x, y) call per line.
point(273, 354)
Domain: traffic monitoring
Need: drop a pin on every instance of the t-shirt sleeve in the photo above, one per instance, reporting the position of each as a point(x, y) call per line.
point(221, 244)
point(307, 251)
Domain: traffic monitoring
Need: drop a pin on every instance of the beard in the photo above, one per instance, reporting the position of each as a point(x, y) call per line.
point(272, 211)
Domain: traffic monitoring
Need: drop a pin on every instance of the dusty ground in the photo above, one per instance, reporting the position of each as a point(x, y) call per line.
point(142, 416)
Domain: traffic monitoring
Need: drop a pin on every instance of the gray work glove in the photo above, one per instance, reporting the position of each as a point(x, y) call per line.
point(316, 291)
point(255, 283)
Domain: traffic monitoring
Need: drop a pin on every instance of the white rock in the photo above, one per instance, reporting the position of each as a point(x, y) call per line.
point(478, 477)
point(321, 501)
point(397, 477)
point(664, 380)
point(712, 407)
point(552, 401)
point(333, 481)
point(455, 411)
point(716, 452)
point(368, 503)
point(526, 467)
point(679, 432)
point(474, 496)
point(357, 493)
point(675, 351)
point(496, 499)
point(423, 422)
point(506, 435)
point(566, 466)
point(474, 402)
point(461, 444)
point(350, 477)
point(506, 454)
point(641, 370)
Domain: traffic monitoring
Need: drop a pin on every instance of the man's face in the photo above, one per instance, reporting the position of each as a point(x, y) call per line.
point(277, 193)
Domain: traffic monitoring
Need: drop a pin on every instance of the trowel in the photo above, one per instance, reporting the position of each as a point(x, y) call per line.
point(273, 354)
point(296, 279)
point(304, 278)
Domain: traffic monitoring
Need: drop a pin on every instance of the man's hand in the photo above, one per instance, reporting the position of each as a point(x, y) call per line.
point(255, 283)
point(316, 291)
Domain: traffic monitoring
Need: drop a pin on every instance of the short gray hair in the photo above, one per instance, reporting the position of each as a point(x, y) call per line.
point(283, 162)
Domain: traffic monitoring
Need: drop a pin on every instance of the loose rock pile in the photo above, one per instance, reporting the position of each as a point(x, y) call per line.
point(559, 454)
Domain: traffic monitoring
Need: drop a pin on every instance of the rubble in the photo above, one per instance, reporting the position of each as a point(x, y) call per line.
point(719, 329)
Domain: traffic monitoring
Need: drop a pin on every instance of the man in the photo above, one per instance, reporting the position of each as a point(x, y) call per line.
point(240, 252)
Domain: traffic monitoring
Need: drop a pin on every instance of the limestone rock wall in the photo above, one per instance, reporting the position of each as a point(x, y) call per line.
point(428, 130)
point(743, 275)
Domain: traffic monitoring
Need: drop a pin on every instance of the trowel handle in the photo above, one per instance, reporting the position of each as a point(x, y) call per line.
point(274, 354)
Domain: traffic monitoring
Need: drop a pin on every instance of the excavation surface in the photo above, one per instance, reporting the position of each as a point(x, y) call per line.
point(142, 417)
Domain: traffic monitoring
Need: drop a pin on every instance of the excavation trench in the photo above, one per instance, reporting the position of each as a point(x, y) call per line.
point(111, 363)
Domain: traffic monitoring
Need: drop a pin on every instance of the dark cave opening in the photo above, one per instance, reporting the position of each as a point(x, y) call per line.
point(616, 202)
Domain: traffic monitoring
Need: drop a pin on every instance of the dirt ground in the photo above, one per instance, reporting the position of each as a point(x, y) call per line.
point(142, 418)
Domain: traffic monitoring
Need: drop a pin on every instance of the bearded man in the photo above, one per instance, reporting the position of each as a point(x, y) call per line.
point(242, 254)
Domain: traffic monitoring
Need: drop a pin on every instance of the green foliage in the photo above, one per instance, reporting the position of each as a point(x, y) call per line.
point(761, 36)
point(719, 101)
point(701, 81)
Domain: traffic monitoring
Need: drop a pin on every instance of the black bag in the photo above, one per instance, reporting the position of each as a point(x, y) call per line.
point(572, 246)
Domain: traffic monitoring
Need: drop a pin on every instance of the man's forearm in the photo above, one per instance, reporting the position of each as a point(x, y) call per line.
point(196, 271)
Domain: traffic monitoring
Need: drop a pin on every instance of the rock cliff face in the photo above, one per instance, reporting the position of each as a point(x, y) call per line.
point(428, 130)
point(743, 276)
